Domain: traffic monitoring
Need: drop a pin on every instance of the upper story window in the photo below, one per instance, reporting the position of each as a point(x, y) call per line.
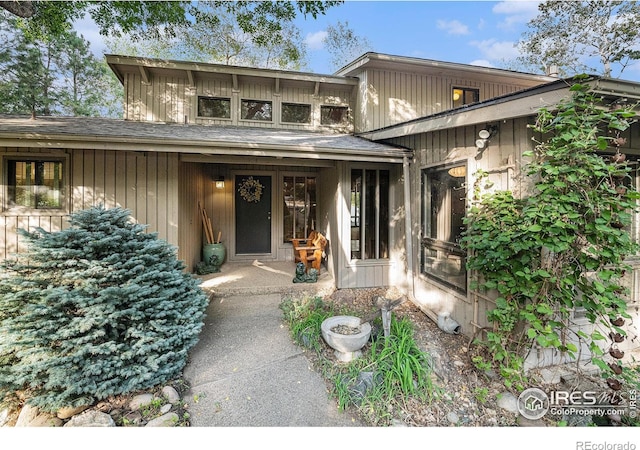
point(219, 108)
point(296, 113)
point(37, 184)
point(334, 115)
point(464, 96)
point(257, 110)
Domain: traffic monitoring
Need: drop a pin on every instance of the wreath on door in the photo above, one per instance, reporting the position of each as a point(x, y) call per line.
point(250, 190)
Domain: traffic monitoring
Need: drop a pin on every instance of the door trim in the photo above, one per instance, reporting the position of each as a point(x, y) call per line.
point(233, 255)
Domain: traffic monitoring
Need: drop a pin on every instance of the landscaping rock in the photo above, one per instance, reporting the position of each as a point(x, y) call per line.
point(91, 419)
point(453, 418)
point(65, 413)
point(165, 420)
point(171, 394)
point(524, 422)
point(550, 376)
point(140, 401)
point(165, 408)
point(4, 416)
point(507, 401)
point(31, 416)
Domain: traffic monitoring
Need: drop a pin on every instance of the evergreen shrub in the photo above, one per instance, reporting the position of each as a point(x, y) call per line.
point(101, 308)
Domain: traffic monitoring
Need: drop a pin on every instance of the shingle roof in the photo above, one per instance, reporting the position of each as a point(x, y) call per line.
point(88, 132)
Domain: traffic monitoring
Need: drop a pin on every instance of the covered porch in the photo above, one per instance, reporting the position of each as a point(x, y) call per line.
point(263, 277)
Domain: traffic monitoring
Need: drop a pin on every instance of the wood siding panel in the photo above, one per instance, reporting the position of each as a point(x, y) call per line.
point(145, 184)
point(172, 99)
point(391, 97)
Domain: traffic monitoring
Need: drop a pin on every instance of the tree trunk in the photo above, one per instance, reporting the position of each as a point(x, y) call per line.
point(22, 8)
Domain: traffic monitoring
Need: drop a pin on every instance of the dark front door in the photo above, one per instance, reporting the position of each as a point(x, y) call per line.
point(253, 214)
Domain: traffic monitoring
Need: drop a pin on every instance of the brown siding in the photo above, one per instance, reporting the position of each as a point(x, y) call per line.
point(145, 183)
point(503, 159)
point(390, 97)
point(172, 99)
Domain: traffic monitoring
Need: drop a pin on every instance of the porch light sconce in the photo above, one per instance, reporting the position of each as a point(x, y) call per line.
point(485, 134)
point(220, 183)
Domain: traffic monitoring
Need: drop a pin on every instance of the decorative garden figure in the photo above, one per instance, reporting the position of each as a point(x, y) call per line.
point(303, 277)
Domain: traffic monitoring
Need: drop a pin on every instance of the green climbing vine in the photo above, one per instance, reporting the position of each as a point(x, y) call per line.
point(561, 248)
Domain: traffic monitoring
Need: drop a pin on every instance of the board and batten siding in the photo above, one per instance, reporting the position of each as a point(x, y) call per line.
point(364, 273)
point(390, 97)
point(502, 159)
point(192, 193)
point(146, 183)
point(172, 99)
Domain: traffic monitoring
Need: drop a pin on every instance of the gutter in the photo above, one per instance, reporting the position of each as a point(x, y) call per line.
point(87, 142)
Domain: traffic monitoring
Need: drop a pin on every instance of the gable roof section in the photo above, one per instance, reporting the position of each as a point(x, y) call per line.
point(191, 70)
point(518, 104)
point(383, 61)
point(113, 134)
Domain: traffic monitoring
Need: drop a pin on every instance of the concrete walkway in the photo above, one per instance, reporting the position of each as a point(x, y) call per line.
point(246, 372)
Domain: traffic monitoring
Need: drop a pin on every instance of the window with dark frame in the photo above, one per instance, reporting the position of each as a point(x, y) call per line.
point(369, 214)
point(256, 110)
point(214, 107)
point(299, 212)
point(464, 96)
point(334, 115)
point(443, 211)
point(37, 184)
point(296, 113)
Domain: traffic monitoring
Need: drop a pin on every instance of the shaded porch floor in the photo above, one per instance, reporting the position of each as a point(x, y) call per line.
point(263, 277)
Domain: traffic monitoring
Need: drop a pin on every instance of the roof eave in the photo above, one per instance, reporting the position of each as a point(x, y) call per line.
point(51, 141)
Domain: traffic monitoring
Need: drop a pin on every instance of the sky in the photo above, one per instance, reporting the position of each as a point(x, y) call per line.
point(478, 32)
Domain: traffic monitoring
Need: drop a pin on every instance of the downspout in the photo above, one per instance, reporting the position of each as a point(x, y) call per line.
point(444, 322)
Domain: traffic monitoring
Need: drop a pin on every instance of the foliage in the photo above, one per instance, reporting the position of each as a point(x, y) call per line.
point(265, 22)
point(101, 308)
point(574, 35)
point(304, 318)
point(563, 247)
point(344, 45)
point(399, 369)
point(57, 76)
point(215, 36)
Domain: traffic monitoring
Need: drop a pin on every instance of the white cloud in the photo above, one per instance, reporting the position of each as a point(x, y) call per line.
point(528, 7)
point(495, 50)
point(453, 27)
point(516, 12)
point(315, 41)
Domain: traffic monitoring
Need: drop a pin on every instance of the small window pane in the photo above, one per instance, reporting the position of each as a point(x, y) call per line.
point(334, 115)
point(369, 214)
point(444, 207)
point(299, 207)
point(214, 107)
point(463, 96)
point(256, 110)
point(296, 113)
point(35, 184)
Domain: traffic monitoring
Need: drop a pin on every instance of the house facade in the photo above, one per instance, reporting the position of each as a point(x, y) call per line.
point(359, 156)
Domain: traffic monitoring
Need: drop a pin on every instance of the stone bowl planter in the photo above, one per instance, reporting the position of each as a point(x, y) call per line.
point(347, 347)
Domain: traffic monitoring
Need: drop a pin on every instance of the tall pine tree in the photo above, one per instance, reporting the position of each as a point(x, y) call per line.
point(99, 309)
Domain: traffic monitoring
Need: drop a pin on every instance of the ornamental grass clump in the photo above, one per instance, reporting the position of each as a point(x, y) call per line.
point(99, 309)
